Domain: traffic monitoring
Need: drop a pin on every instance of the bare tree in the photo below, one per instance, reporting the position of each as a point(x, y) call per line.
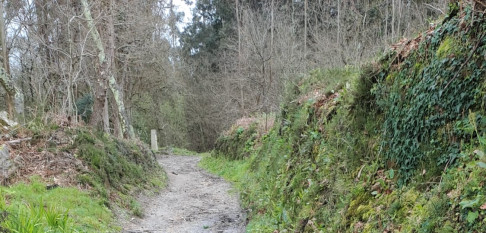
point(106, 75)
point(14, 95)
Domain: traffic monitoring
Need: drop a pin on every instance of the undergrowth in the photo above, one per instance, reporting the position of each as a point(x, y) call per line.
point(119, 169)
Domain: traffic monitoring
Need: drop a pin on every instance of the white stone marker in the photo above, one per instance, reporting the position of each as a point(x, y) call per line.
point(153, 140)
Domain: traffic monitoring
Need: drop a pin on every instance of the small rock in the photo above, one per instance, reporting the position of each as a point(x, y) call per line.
point(7, 167)
point(52, 186)
point(5, 121)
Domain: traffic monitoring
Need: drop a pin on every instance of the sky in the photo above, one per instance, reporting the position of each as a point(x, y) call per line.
point(183, 7)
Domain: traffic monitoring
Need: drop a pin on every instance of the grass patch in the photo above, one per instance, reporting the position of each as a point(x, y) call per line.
point(182, 151)
point(231, 170)
point(33, 208)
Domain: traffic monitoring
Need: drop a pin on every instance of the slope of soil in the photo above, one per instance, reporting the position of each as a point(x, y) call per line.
point(65, 177)
point(194, 201)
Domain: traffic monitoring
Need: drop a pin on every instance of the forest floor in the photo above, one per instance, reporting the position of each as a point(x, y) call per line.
point(193, 201)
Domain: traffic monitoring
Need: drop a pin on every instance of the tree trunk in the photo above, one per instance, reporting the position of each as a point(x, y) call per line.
point(106, 116)
point(41, 14)
point(15, 98)
point(393, 20)
point(271, 41)
point(106, 73)
point(305, 32)
point(241, 80)
point(117, 129)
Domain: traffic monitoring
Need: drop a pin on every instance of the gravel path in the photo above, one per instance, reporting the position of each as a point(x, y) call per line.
point(194, 201)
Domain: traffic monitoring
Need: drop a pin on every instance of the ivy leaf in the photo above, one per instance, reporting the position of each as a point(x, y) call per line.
point(285, 215)
point(391, 173)
point(482, 140)
point(480, 153)
point(472, 216)
point(481, 164)
point(469, 203)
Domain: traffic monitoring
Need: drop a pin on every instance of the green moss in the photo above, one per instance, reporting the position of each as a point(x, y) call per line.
point(357, 205)
point(391, 77)
point(418, 68)
point(448, 47)
point(364, 212)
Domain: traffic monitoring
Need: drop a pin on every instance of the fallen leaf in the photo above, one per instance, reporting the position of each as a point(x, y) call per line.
point(453, 194)
point(483, 207)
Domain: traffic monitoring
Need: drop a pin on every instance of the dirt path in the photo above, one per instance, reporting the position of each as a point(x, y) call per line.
point(194, 201)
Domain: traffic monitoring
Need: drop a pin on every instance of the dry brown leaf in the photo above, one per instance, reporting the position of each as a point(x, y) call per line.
point(483, 207)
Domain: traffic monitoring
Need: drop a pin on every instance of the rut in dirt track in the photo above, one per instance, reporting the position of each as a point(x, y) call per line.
point(193, 201)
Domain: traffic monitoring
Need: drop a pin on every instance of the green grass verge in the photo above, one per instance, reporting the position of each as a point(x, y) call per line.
point(182, 151)
point(32, 208)
point(231, 170)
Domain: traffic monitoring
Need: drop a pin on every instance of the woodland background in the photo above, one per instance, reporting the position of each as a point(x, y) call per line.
point(123, 66)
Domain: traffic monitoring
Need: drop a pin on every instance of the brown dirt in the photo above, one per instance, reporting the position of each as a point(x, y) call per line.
point(48, 156)
point(193, 201)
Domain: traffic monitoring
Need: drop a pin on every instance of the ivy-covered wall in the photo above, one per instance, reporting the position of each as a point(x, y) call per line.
point(428, 96)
